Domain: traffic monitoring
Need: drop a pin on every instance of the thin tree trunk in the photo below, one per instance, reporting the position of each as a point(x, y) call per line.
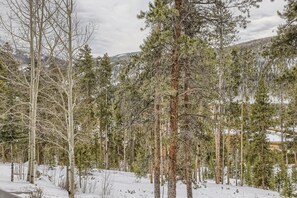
point(157, 148)
point(236, 167)
point(67, 177)
point(187, 138)
point(241, 143)
point(32, 67)
point(79, 168)
point(196, 167)
point(12, 164)
point(162, 154)
point(101, 140)
point(223, 157)
point(151, 170)
point(295, 157)
point(3, 153)
point(228, 157)
point(96, 150)
point(281, 119)
point(70, 127)
point(125, 151)
point(106, 137)
point(295, 135)
point(106, 149)
point(175, 72)
point(218, 153)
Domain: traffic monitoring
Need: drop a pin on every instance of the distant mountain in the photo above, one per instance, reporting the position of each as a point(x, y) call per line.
point(256, 44)
point(122, 57)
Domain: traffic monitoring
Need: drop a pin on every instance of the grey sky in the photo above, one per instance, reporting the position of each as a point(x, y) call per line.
point(118, 29)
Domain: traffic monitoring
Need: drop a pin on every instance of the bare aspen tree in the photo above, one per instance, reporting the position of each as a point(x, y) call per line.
point(71, 38)
point(27, 25)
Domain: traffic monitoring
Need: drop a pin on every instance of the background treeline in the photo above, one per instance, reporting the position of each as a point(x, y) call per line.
point(189, 106)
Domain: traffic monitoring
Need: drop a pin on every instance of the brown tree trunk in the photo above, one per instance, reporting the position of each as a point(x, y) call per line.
point(295, 157)
point(218, 153)
point(151, 171)
point(157, 152)
point(236, 167)
point(3, 153)
point(12, 164)
point(106, 138)
point(196, 167)
point(101, 143)
point(175, 72)
point(228, 157)
point(223, 158)
point(125, 151)
point(187, 138)
point(241, 144)
point(106, 149)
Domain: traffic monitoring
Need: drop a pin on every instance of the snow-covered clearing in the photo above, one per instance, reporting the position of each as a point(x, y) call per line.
point(118, 184)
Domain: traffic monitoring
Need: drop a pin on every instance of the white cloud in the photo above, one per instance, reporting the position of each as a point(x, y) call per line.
point(264, 21)
point(117, 27)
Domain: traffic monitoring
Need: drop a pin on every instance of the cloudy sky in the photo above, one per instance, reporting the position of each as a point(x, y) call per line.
point(118, 29)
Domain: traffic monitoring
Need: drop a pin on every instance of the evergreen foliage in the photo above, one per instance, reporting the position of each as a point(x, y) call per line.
point(259, 147)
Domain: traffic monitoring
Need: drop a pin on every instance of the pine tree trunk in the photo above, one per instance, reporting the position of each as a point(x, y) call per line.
point(295, 136)
point(295, 157)
point(218, 154)
point(228, 157)
point(151, 171)
point(12, 164)
point(132, 152)
point(96, 150)
point(236, 167)
point(175, 72)
point(223, 158)
point(161, 154)
point(157, 152)
point(263, 167)
point(106, 148)
point(101, 140)
point(241, 144)
point(196, 167)
point(3, 153)
point(187, 138)
point(125, 151)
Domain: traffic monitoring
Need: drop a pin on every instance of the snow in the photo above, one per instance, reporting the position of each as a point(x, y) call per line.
point(119, 184)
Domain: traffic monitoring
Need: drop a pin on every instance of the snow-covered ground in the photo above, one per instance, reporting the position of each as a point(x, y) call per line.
point(117, 185)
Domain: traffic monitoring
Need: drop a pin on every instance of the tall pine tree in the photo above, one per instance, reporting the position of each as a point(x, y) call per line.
point(260, 122)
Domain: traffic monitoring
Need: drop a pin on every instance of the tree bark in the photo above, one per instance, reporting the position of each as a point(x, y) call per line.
point(70, 128)
point(124, 144)
point(101, 141)
point(157, 152)
point(106, 149)
point(3, 153)
point(241, 143)
point(187, 138)
point(175, 72)
point(218, 152)
point(12, 163)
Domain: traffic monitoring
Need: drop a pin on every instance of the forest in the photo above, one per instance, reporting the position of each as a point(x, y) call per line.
point(194, 105)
